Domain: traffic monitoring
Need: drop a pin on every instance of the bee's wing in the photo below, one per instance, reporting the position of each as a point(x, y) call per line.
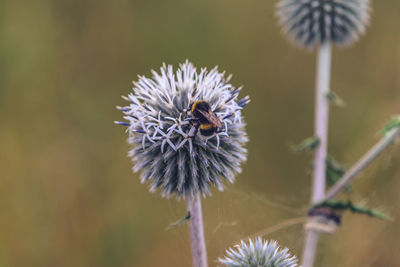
point(211, 117)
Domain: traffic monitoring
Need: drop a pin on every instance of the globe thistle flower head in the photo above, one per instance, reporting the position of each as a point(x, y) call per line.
point(311, 22)
point(259, 253)
point(169, 144)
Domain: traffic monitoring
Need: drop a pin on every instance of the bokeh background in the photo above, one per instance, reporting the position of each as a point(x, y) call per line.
point(67, 193)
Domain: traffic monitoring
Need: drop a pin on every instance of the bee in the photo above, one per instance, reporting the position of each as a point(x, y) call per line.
point(204, 119)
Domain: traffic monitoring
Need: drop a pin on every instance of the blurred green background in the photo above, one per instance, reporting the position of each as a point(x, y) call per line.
point(67, 193)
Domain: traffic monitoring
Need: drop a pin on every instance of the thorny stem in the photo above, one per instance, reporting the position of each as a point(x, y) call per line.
point(321, 120)
point(320, 131)
point(310, 247)
point(311, 240)
point(366, 160)
point(197, 239)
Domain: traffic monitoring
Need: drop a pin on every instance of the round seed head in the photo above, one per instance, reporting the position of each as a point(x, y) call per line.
point(259, 253)
point(312, 22)
point(168, 146)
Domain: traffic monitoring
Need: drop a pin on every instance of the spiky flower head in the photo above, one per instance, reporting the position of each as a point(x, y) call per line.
point(167, 145)
point(259, 253)
point(312, 22)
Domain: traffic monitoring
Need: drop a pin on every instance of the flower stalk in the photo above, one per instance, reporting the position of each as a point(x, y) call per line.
point(321, 120)
point(321, 123)
point(197, 240)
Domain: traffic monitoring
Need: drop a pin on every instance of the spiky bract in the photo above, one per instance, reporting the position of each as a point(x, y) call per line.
point(161, 134)
point(311, 22)
point(259, 253)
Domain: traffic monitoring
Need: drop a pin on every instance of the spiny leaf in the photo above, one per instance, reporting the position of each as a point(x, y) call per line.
point(335, 99)
point(335, 171)
point(339, 205)
point(179, 222)
point(310, 143)
point(392, 124)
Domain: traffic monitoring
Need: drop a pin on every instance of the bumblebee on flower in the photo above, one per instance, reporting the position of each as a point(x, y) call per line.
point(186, 130)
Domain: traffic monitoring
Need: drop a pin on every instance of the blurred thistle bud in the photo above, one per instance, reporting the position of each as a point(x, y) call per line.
point(259, 253)
point(179, 151)
point(311, 22)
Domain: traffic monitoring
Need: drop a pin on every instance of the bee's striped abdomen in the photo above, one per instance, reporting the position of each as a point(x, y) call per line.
point(207, 129)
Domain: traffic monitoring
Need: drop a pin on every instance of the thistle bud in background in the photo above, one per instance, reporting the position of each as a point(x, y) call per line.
point(259, 253)
point(311, 22)
point(179, 151)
